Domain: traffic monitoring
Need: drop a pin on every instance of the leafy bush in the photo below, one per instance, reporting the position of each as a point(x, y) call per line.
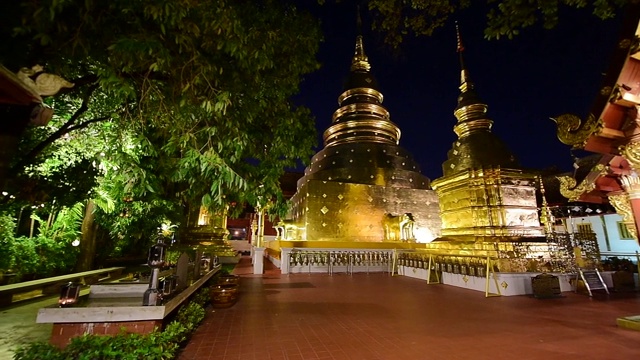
point(39, 350)
point(203, 296)
point(121, 346)
point(190, 315)
point(42, 256)
point(7, 229)
point(49, 252)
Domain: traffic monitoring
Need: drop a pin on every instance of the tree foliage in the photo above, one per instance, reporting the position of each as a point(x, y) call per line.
point(204, 85)
point(176, 103)
point(505, 18)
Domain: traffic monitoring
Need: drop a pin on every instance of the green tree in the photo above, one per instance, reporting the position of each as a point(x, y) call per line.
point(200, 88)
point(505, 18)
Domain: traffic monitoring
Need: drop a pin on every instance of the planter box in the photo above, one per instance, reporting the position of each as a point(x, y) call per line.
point(108, 314)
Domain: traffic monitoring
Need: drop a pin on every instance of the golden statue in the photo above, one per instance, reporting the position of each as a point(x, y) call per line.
point(286, 230)
point(398, 227)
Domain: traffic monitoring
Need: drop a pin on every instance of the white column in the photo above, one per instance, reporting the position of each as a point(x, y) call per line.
point(284, 260)
point(258, 261)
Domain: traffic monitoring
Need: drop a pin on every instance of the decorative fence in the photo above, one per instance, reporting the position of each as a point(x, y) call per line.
point(294, 260)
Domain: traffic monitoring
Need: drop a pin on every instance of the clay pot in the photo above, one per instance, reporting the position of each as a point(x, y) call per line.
point(224, 295)
point(228, 279)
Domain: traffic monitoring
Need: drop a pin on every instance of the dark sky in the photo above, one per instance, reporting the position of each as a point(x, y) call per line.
point(525, 81)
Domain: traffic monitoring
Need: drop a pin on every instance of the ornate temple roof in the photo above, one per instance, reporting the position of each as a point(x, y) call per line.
point(476, 147)
point(361, 144)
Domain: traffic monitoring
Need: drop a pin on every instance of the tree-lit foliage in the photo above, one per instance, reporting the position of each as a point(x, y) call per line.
point(176, 103)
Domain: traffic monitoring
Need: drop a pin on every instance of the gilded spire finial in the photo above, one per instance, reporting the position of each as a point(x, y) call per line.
point(471, 111)
point(464, 76)
point(360, 61)
point(359, 21)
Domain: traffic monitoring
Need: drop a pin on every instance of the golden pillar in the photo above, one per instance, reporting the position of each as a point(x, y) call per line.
point(627, 204)
point(260, 229)
point(254, 229)
point(630, 209)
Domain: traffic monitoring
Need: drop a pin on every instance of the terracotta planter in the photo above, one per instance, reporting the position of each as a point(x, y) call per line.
point(228, 279)
point(224, 295)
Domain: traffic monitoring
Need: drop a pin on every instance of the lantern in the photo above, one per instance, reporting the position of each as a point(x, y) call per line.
point(205, 264)
point(151, 296)
point(69, 294)
point(156, 254)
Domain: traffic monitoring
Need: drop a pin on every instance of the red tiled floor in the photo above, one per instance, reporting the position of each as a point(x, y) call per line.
point(376, 316)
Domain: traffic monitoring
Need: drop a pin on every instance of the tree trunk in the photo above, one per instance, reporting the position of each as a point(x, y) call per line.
point(88, 239)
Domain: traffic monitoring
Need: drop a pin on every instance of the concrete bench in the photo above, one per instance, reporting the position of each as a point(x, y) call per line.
point(51, 285)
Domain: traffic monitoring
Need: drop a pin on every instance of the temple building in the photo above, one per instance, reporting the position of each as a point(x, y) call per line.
point(610, 131)
point(363, 205)
point(363, 186)
point(483, 191)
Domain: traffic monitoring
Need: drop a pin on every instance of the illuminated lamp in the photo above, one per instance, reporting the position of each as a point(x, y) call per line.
point(69, 294)
point(155, 261)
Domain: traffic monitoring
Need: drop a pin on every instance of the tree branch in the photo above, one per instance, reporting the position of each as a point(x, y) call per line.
point(87, 123)
point(64, 129)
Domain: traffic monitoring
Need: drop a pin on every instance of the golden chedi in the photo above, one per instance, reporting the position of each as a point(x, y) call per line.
point(363, 187)
point(483, 193)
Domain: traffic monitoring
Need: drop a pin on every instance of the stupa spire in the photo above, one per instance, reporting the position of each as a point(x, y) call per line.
point(471, 111)
point(361, 116)
point(476, 147)
point(360, 61)
point(464, 75)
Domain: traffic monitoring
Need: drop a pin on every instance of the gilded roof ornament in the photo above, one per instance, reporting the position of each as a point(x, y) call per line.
point(631, 152)
point(575, 132)
point(42, 83)
point(622, 204)
point(572, 191)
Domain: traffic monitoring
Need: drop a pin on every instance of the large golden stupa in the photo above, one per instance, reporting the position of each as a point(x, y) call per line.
point(363, 186)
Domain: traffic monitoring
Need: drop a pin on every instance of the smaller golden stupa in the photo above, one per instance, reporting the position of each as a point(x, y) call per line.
point(484, 194)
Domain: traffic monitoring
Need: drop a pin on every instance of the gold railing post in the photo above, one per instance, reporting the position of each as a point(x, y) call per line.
point(394, 262)
point(429, 272)
point(495, 279)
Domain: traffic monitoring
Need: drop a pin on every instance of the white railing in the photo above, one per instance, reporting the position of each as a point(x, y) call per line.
point(311, 260)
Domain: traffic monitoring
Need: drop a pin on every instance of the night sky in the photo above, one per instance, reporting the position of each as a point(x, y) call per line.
point(525, 81)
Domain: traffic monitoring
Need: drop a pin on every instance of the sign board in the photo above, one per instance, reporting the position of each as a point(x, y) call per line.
point(593, 280)
point(545, 286)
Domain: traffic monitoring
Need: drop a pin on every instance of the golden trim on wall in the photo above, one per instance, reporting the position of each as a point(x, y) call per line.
point(622, 204)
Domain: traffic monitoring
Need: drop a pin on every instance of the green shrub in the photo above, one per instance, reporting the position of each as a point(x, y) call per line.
point(122, 346)
point(7, 229)
point(39, 351)
point(190, 315)
point(49, 252)
point(203, 296)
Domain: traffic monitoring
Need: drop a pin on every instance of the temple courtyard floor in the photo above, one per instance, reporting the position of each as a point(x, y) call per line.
point(376, 316)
